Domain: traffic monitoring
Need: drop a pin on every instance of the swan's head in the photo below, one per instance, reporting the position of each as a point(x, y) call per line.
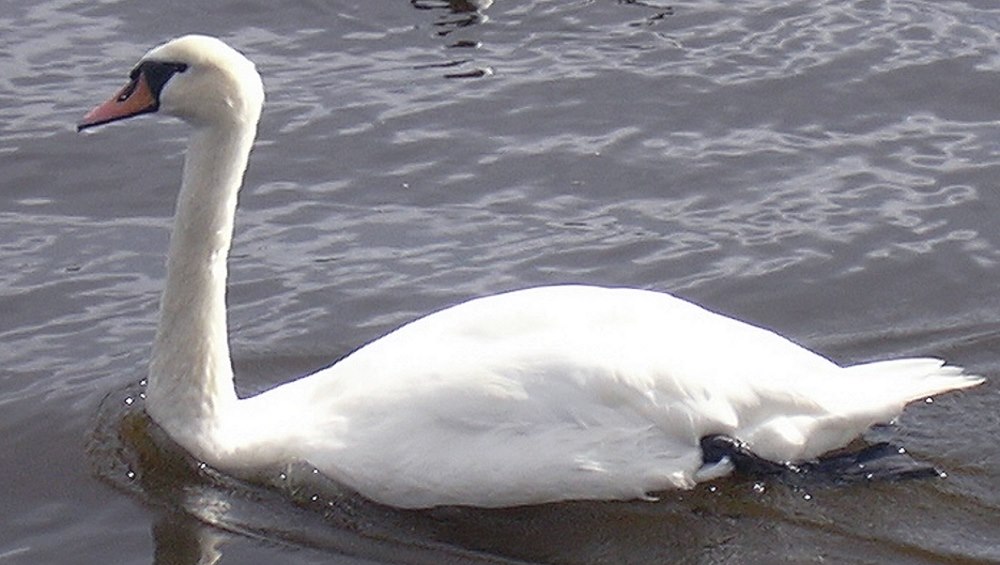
point(197, 78)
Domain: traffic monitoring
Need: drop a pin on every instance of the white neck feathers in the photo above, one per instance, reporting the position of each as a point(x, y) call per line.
point(191, 377)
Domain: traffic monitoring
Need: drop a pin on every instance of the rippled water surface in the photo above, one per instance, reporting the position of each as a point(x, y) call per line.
point(825, 169)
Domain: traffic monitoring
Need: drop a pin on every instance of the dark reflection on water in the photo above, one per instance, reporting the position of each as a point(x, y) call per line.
point(827, 169)
point(462, 14)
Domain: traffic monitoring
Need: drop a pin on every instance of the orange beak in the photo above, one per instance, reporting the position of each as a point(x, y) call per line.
point(133, 99)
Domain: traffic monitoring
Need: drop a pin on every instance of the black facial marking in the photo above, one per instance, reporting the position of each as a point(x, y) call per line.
point(157, 73)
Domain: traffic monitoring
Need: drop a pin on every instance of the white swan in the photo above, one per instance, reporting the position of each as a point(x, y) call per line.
point(546, 394)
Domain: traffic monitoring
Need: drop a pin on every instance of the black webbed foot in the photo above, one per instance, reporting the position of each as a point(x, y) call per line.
point(714, 448)
point(878, 462)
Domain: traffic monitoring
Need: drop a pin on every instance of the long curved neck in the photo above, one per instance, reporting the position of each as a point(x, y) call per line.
point(191, 376)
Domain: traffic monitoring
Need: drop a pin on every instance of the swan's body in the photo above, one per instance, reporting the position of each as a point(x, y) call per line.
point(538, 395)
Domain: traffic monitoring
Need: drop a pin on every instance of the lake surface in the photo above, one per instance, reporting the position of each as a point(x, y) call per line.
point(827, 169)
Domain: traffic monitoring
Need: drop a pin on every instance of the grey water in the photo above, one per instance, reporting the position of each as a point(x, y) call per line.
point(826, 169)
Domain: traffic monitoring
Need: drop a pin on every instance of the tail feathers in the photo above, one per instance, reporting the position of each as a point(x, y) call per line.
point(911, 379)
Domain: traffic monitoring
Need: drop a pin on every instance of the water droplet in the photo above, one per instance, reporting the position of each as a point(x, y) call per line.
point(759, 488)
point(807, 496)
point(129, 400)
point(282, 476)
point(929, 400)
point(314, 497)
point(202, 466)
point(130, 474)
point(712, 488)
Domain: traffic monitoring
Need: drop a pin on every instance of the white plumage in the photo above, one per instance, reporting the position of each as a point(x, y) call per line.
point(538, 395)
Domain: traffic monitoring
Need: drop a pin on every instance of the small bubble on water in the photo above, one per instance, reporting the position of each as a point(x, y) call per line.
point(130, 474)
point(759, 488)
point(929, 400)
point(807, 496)
point(129, 400)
